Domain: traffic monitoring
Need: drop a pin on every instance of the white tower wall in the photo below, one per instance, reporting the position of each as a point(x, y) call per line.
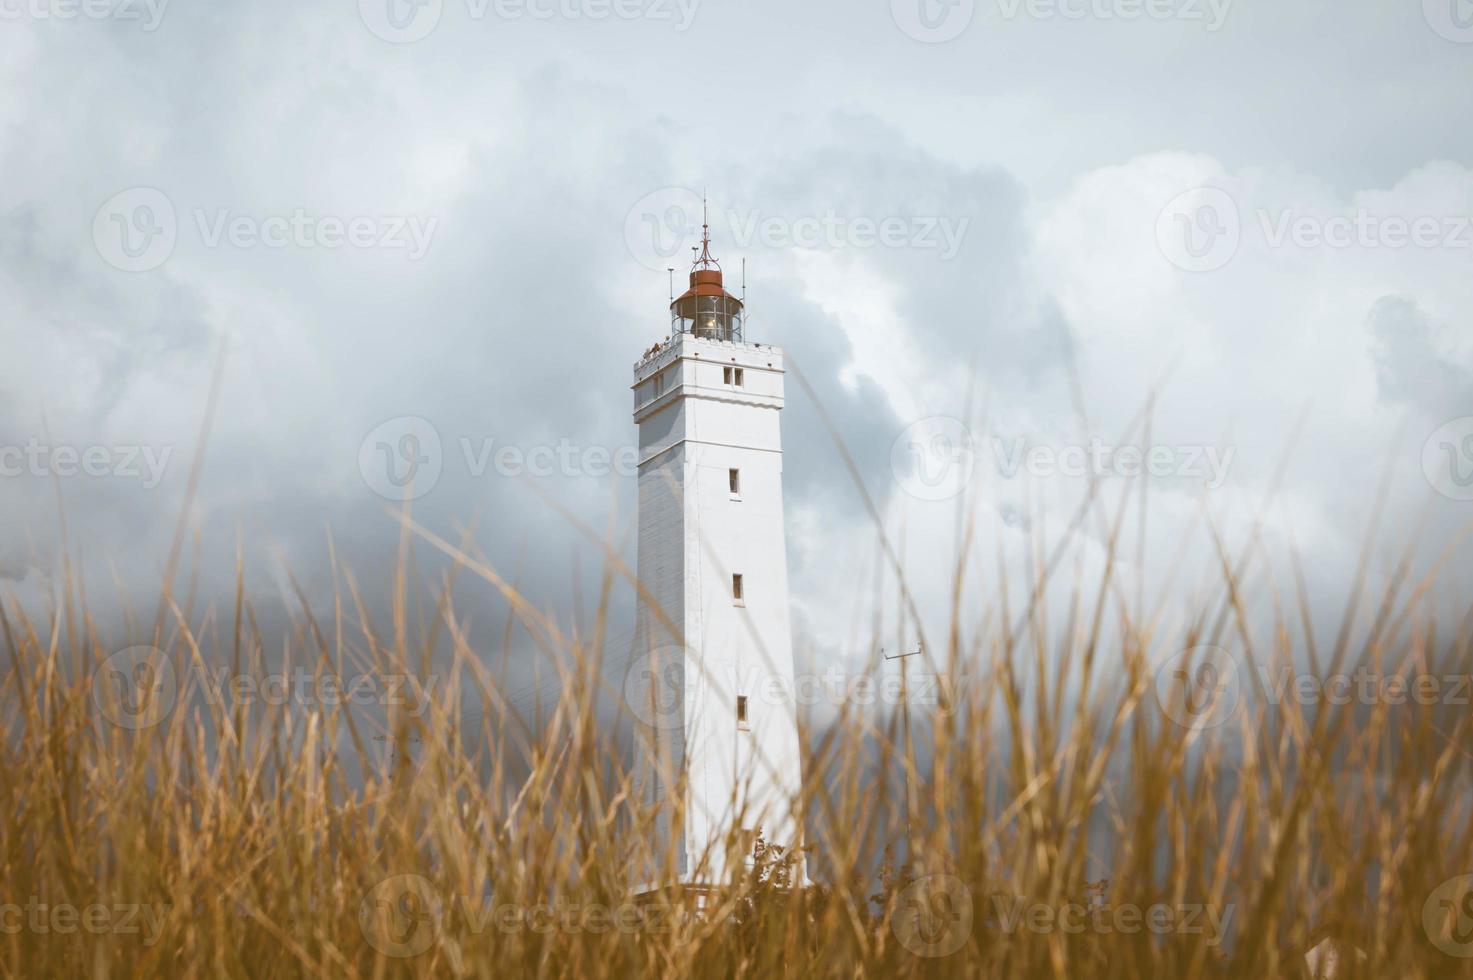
point(699, 420)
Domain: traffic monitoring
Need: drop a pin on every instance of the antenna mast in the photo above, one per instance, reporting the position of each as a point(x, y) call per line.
point(745, 314)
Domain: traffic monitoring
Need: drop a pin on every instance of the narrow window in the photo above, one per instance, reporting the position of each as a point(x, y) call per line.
point(736, 588)
point(738, 375)
point(742, 712)
point(734, 479)
point(726, 375)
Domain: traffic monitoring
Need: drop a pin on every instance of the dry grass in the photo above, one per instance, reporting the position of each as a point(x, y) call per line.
point(270, 841)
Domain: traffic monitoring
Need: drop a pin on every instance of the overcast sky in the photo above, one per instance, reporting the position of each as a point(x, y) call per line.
point(448, 222)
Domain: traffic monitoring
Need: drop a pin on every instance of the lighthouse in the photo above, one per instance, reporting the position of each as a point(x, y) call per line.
point(710, 682)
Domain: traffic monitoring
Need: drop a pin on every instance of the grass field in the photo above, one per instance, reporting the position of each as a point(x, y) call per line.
point(1085, 805)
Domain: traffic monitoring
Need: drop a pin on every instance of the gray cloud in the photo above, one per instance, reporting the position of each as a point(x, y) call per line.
point(1409, 369)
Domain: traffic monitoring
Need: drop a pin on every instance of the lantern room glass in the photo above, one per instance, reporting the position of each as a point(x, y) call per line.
point(708, 317)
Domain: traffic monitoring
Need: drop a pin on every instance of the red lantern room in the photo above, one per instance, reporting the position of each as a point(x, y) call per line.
point(706, 309)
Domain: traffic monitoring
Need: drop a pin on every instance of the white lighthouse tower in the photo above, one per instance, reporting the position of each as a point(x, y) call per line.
point(711, 677)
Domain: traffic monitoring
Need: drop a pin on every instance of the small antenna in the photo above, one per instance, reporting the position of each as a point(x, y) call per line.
point(744, 299)
point(671, 270)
